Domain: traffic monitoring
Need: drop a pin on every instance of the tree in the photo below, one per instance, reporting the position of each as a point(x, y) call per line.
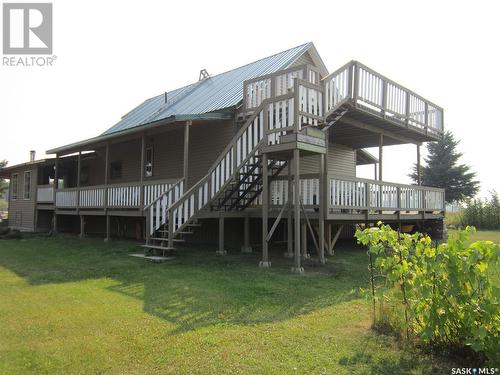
point(443, 170)
point(3, 184)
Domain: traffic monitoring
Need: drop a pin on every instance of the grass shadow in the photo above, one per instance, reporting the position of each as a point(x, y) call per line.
point(197, 289)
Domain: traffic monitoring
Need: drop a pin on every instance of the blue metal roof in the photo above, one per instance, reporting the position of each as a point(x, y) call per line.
point(213, 94)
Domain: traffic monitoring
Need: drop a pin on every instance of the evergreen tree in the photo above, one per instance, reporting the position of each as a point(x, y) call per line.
point(443, 170)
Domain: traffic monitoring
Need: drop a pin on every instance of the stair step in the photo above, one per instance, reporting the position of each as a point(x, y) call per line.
point(166, 231)
point(194, 225)
point(166, 239)
point(158, 247)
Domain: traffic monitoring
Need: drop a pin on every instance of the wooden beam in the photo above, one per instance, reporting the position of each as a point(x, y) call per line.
point(186, 153)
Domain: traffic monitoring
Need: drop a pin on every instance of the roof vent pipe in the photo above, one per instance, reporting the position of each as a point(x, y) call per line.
point(32, 155)
point(166, 97)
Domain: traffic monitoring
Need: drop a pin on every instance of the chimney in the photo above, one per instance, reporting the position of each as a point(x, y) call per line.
point(32, 155)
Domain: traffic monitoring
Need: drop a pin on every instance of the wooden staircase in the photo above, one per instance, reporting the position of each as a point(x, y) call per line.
point(235, 180)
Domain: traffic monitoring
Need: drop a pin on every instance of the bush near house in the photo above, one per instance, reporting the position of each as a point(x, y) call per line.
point(444, 296)
point(482, 213)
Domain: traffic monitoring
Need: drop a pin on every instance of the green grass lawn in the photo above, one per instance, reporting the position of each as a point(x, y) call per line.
point(71, 306)
point(485, 235)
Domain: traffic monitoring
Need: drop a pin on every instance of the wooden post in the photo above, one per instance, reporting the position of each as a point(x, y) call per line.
point(170, 229)
point(106, 193)
point(221, 250)
point(108, 228)
point(265, 212)
point(246, 248)
point(329, 239)
point(296, 206)
point(380, 156)
point(289, 221)
point(321, 213)
point(186, 153)
point(305, 254)
point(419, 181)
point(143, 160)
point(79, 165)
point(375, 171)
point(56, 186)
point(82, 226)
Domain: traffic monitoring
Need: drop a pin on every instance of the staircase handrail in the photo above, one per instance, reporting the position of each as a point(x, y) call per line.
point(231, 144)
point(166, 192)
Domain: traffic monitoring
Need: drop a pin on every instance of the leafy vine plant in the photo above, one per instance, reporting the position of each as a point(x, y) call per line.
point(443, 294)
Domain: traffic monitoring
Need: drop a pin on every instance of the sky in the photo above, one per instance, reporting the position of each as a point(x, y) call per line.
point(112, 55)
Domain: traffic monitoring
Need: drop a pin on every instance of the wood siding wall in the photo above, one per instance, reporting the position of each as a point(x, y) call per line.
point(168, 154)
point(206, 142)
point(341, 161)
point(22, 211)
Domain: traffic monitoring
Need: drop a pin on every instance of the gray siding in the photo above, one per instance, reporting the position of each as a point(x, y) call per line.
point(205, 144)
point(341, 161)
point(168, 155)
point(22, 211)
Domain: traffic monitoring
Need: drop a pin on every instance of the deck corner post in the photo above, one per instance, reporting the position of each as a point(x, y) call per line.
point(246, 248)
point(303, 235)
point(297, 268)
point(221, 251)
point(419, 178)
point(170, 229)
point(108, 228)
point(265, 263)
point(82, 226)
point(289, 221)
point(380, 155)
point(141, 178)
point(186, 153)
point(322, 206)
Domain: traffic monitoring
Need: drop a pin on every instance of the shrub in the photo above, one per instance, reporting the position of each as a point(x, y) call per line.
point(482, 213)
point(445, 292)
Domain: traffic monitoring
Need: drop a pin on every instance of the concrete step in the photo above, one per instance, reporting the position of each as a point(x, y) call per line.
point(158, 247)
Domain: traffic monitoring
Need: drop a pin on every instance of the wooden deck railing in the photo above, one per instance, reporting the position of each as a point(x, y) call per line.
point(372, 91)
point(126, 195)
point(45, 194)
point(362, 194)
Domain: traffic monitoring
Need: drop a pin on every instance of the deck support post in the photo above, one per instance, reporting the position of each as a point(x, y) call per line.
point(265, 213)
point(328, 239)
point(321, 213)
point(305, 254)
point(143, 160)
point(82, 226)
point(108, 228)
point(380, 156)
point(419, 181)
point(56, 186)
point(296, 207)
point(289, 221)
point(221, 250)
point(186, 153)
point(246, 248)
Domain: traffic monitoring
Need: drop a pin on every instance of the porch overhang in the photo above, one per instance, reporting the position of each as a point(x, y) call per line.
point(102, 139)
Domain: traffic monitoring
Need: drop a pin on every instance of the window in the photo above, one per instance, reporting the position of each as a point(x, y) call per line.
point(116, 169)
point(149, 162)
point(13, 183)
point(27, 185)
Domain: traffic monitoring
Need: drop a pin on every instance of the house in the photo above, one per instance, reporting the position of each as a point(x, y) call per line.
point(229, 151)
